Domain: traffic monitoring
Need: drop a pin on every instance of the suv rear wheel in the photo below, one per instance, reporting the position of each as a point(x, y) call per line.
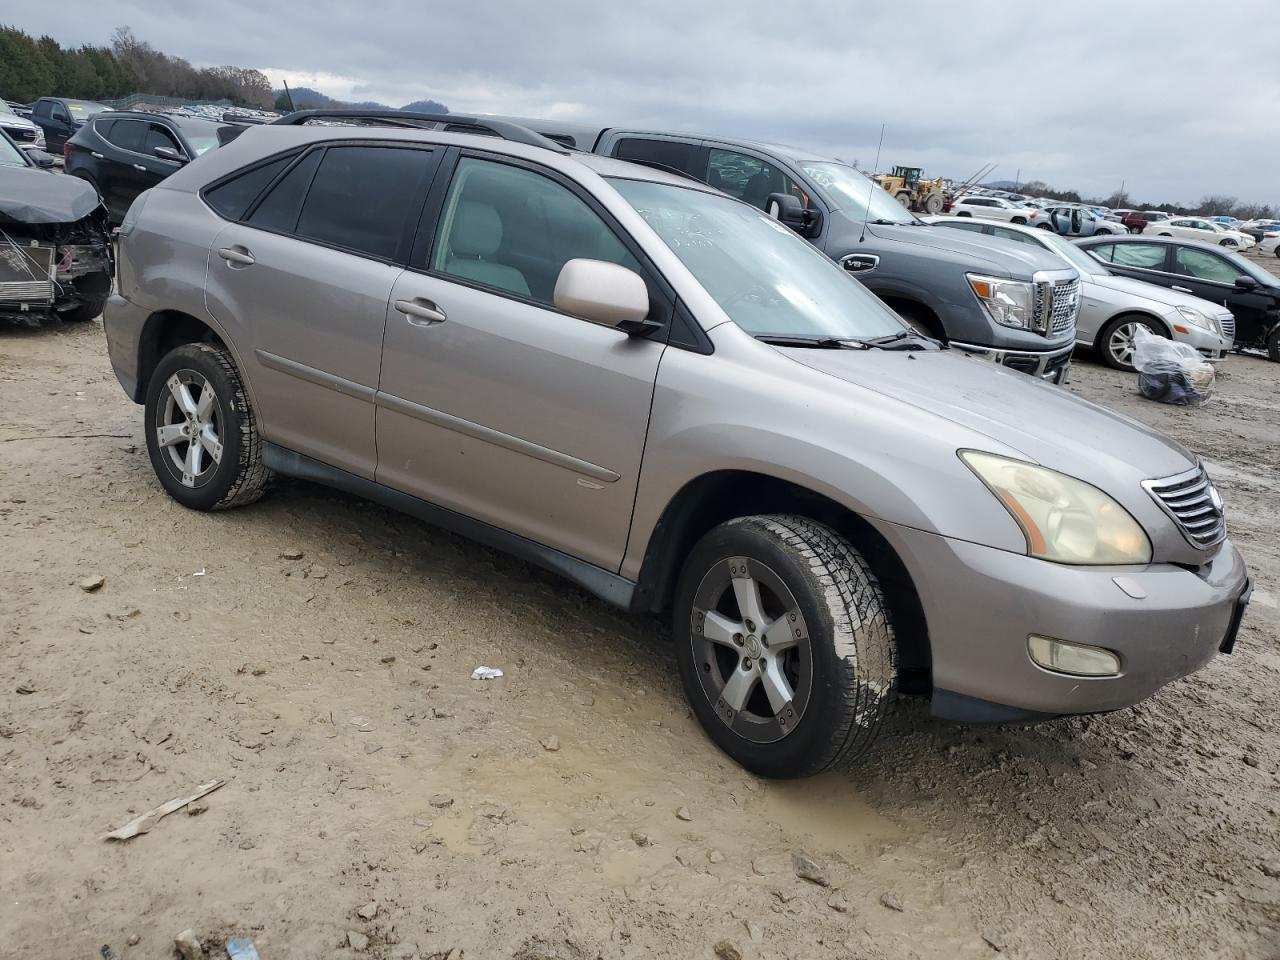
point(201, 432)
point(785, 644)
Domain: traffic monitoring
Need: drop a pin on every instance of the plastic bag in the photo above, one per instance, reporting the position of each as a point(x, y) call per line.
point(1171, 372)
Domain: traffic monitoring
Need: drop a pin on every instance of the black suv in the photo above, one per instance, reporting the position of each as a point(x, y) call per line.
point(123, 153)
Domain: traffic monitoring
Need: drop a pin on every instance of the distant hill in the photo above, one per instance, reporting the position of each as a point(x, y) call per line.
point(305, 98)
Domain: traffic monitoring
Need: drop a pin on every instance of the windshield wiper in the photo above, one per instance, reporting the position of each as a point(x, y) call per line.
point(817, 343)
point(902, 340)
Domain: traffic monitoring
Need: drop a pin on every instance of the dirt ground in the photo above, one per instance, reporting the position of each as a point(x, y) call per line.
point(316, 652)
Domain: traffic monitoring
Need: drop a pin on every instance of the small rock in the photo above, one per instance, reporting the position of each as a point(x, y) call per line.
point(715, 856)
point(1250, 759)
point(259, 671)
point(91, 583)
point(727, 950)
point(292, 553)
point(389, 659)
point(838, 902)
point(809, 869)
point(891, 901)
point(195, 809)
point(317, 572)
point(188, 945)
point(133, 940)
point(248, 843)
point(368, 911)
point(441, 801)
point(551, 744)
point(586, 844)
point(1270, 869)
point(357, 941)
point(682, 813)
point(639, 839)
point(586, 700)
point(438, 714)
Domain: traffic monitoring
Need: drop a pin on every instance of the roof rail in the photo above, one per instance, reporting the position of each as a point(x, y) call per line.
point(405, 118)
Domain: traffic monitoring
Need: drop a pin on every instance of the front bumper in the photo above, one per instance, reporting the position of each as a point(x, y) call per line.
point(1051, 365)
point(1212, 345)
point(980, 605)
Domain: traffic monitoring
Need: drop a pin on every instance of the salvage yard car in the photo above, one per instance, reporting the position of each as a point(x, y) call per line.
point(55, 251)
point(1209, 272)
point(675, 402)
point(1113, 308)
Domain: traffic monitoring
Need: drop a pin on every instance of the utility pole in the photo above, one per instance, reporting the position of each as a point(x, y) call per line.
point(1017, 179)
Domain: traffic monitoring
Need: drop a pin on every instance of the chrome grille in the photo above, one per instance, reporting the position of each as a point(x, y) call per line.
point(22, 134)
point(1190, 499)
point(1056, 306)
point(1228, 325)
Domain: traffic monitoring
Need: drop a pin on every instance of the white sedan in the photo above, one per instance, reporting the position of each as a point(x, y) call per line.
point(1195, 228)
point(1270, 244)
point(994, 208)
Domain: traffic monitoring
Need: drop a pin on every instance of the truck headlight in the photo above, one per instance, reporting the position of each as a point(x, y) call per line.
point(1198, 319)
point(1010, 303)
point(1064, 519)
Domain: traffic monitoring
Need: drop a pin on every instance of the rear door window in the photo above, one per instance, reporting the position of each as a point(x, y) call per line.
point(676, 154)
point(231, 198)
point(1145, 256)
point(128, 135)
point(1203, 265)
point(749, 178)
point(360, 197)
point(279, 210)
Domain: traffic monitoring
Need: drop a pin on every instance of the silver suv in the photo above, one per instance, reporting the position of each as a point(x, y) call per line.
point(678, 404)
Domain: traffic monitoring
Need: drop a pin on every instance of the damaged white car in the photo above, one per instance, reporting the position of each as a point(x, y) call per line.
point(55, 247)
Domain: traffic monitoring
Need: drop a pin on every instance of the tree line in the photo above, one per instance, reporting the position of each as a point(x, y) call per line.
point(1209, 206)
point(32, 68)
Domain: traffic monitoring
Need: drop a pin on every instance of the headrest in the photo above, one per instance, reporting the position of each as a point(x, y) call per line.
point(477, 230)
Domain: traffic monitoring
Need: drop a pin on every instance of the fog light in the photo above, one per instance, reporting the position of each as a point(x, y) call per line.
point(1075, 659)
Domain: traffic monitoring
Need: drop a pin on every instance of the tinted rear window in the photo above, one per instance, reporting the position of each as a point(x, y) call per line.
point(669, 153)
point(359, 197)
point(129, 134)
point(279, 211)
point(232, 198)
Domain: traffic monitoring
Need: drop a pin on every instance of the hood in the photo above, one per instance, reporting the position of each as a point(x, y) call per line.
point(1162, 295)
point(28, 195)
point(1004, 257)
point(1046, 424)
point(13, 121)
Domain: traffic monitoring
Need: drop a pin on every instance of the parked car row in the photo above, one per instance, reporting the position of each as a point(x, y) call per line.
point(642, 364)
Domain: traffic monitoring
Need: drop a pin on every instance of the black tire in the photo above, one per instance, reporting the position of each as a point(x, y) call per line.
point(964, 213)
point(1273, 344)
point(933, 203)
point(89, 310)
point(1044, 226)
point(238, 477)
point(1226, 242)
point(1020, 221)
point(1106, 347)
point(845, 666)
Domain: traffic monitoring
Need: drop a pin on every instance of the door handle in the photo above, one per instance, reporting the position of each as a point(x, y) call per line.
point(96, 155)
point(422, 313)
point(138, 166)
point(1184, 290)
point(237, 256)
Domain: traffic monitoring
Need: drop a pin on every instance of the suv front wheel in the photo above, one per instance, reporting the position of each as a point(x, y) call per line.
point(201, 432)
point(785, 644)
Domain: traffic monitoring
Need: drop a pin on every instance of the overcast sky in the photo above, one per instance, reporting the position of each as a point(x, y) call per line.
point(1178, 98)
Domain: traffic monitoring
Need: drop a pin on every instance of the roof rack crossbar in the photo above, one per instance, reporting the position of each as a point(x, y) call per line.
point(407, 118)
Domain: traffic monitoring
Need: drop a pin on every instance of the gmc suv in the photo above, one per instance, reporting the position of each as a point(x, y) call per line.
point(672, 400)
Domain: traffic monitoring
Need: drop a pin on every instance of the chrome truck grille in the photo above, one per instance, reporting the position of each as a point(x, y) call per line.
point(1057, 305)
point(1193, 503)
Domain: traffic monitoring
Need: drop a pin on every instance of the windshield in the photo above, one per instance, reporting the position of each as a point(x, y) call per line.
point(10, 156)
point(80, 109)
point(1069, 252)
point(202, 135)
point(766, 278)
point(853, 193)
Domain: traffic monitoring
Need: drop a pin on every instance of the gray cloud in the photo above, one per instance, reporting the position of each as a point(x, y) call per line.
point(1166, 96)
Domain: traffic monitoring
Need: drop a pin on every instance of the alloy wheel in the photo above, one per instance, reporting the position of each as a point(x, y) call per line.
point(189, 428)
point(1122, 343)
point(752, 650)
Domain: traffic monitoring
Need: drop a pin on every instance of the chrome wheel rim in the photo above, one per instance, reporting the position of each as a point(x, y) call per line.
point(1122, 343)
point(751, 649)
point(189, 428)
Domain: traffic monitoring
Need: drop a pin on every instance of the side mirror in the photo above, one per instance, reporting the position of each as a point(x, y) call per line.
point(170, 154)
point(41, 159)
point(787, 209)
point(604, 293)
point(1246, 283)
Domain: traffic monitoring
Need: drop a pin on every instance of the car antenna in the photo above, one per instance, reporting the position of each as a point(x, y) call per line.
point(866, 213)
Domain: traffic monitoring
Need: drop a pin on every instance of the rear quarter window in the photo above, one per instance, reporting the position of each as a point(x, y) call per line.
point(232, 198)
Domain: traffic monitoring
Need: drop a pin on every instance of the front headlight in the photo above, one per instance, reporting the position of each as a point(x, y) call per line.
point(1196, 318)
point(1010, 303)
point(1064, 519)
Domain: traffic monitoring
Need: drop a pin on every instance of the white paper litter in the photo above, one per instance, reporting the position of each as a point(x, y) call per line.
point(486, 673)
